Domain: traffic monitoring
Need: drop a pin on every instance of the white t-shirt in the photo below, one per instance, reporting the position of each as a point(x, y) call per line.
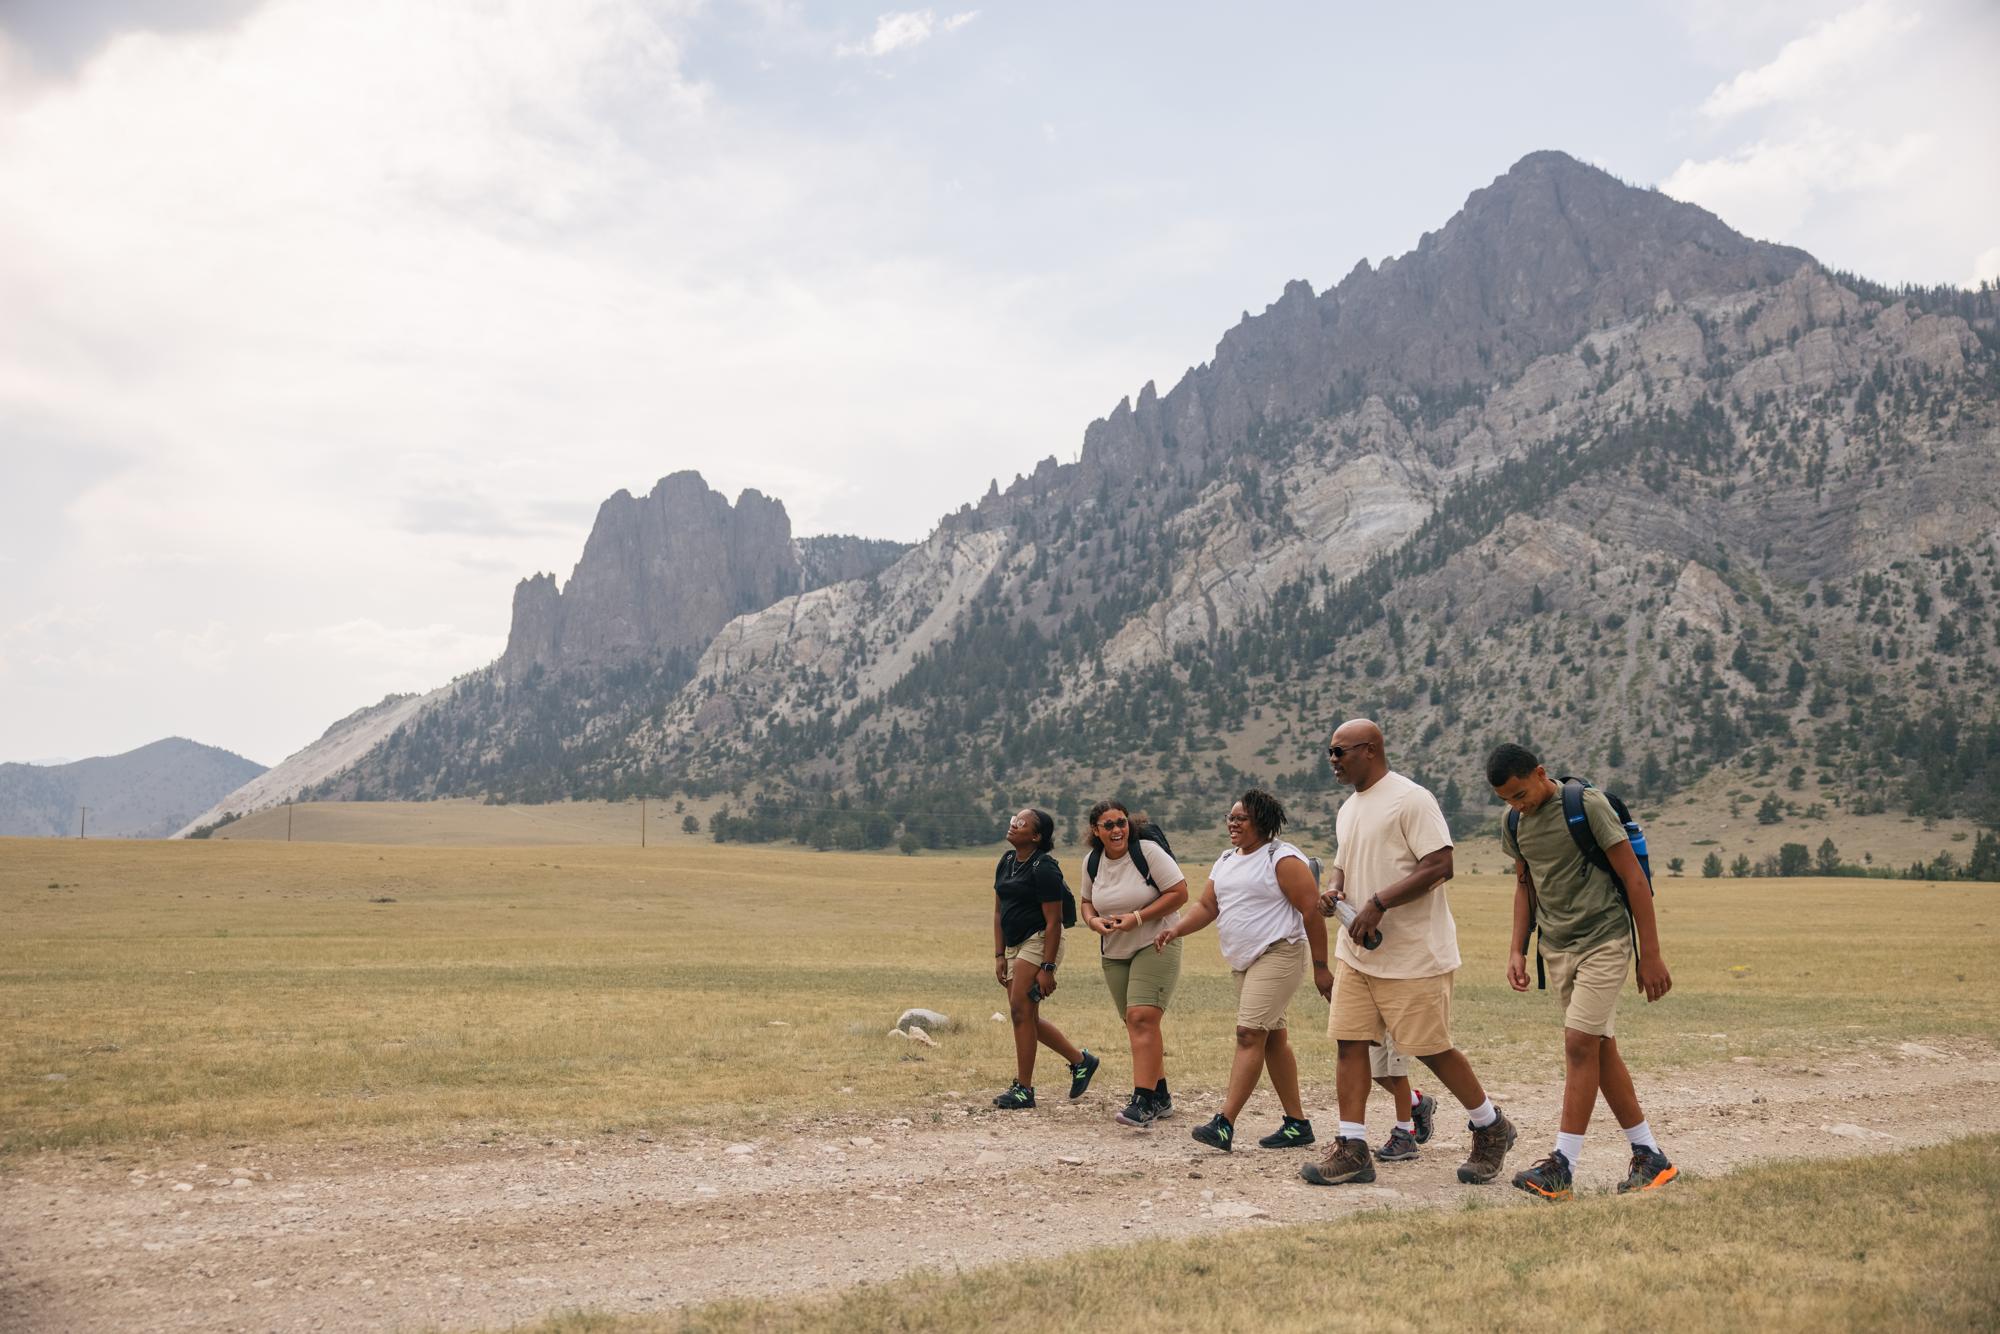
point(1384, 832)
point(1252, 913)
point(1119, 888)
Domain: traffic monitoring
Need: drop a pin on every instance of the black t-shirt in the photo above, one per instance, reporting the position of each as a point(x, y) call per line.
point(1022, 888)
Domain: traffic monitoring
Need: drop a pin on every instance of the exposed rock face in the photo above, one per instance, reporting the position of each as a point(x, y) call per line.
point(144, 793)
point(836, 559)
point(661, 572)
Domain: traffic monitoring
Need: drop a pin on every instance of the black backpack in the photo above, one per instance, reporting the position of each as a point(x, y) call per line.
point(1148, 830)
point(1578, 824)
point(1069, 899)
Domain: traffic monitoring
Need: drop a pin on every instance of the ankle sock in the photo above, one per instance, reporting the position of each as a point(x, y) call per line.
point(1407, 1127)
point(1354, 1130)
point(1416, 1097)
point(1142, 1095)
point(1641, 1137)
point(1160, 1089)
point(1571, 1147)
point(1484, 1115)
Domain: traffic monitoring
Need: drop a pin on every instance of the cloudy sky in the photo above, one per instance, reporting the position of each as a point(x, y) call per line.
point(324, 321)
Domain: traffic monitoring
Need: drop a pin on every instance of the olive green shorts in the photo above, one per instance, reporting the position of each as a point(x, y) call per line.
point(1147, 978)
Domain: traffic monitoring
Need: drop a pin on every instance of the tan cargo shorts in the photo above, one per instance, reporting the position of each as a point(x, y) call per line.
point(1588, 984)
point(1265, 989)
point(1414, 1011)
point(1028, 953)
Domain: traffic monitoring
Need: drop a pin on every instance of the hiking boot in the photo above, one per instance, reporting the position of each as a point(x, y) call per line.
point(1347, 1161)
point(1138, 1112)
point(1650, 1170)
point(1400, 1147)
point(1163, 1101)
point(1081, 1074)
point(1217, 1134)
point(1551, 1178)
point(1489, 1151)
point(1424, 1116)
point(1018, 1097)
point(1293, 1134)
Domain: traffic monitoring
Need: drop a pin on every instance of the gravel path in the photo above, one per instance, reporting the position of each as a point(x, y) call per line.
point(370, 1237)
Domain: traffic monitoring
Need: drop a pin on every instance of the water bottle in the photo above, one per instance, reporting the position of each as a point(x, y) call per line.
point(1344, 911)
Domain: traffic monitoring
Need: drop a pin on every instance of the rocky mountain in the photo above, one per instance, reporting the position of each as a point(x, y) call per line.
point(1586, 467)
point(145, 793)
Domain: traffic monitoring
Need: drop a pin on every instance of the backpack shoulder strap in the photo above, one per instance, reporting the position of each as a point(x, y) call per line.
point(1579, 826)
point(1092, 862)
point(1139, 860)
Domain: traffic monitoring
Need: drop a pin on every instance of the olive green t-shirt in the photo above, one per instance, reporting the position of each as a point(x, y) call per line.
point(1576, 905)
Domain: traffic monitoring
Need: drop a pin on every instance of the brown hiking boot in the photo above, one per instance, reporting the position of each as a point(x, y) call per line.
point(1489, 1151)
point(1347, 1161)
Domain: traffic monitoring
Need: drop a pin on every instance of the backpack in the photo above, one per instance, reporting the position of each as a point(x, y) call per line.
point(1578, 824)
point(1069, 899)
point(1148, 830)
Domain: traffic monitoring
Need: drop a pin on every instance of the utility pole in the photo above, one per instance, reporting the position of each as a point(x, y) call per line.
point(288, 822)
point(642, 822)
point(82, 817)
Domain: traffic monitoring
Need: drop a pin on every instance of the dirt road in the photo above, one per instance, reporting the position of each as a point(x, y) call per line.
point(483, 1235)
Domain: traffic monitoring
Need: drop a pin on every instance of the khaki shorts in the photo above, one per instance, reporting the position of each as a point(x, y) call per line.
point(1147, 978)
point(1415, 1011)
point(1029, 952)
point(1264, 990)
point(1588, 984)
point(1386, 1060)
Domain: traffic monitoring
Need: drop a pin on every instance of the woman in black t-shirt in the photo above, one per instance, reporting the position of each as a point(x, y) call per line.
point(1031, 903)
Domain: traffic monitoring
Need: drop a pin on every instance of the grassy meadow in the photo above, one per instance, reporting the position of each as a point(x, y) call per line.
point(255, 989)
point(1904, 1242)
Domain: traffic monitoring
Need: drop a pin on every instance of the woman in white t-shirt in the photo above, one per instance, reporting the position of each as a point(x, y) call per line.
point(1130, 896)
point(1263, 897)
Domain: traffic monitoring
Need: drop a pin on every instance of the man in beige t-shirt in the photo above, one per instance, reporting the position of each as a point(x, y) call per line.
point(1393, 859)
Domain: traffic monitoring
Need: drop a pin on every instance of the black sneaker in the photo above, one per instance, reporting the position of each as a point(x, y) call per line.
point(1138, 1112)
point(1400, 1147)
point(1081, 1074)
point(1217, 1134)
point(1424, 1115)
point(1163, 1101)
point(1293, 1134)
point(1550, 1178)
point(1018, 1097)
point(1650, 1171)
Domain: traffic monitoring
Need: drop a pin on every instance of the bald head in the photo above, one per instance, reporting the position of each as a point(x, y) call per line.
point(1357, 754)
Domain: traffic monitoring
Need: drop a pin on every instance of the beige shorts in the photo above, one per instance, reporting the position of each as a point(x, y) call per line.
point(1386, 1060)
point(1415, 1011)
point(1588, 984)
point(1029, 952)
point(1264, 990)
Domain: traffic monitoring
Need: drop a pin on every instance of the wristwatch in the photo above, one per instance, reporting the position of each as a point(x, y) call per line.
point(1051, 967)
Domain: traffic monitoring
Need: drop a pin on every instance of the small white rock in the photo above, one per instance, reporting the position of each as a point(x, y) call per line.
point(1070, 1161)
point(862, 1142)
point(999, 1018)
point(919, 1035)
point(1235, 1209)
point(183, 1185)
point(989, 1158)
point(240, 1183)
point(739, 1150)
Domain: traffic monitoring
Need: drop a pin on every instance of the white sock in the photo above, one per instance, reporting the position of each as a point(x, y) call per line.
point(1407, 1127)
point(1571, 1147)
point(1484, 1115)
point(1354, 1130)
point(1641, 1137)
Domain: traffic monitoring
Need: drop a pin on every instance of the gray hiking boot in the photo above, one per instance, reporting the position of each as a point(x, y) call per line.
point(1489, 1151)
point(1400, 1147)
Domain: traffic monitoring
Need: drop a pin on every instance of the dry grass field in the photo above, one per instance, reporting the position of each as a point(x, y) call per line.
point(208, 990)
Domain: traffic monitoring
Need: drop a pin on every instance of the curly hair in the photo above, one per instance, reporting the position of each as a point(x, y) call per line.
point(1097, 813)
point(1266, 812)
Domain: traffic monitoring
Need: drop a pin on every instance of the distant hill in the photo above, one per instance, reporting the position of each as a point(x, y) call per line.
point(145, 793)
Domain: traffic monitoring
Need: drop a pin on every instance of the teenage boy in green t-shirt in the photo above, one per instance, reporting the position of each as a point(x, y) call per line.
point(1586, 948)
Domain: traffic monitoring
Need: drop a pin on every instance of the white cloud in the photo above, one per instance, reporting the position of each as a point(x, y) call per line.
point(901, 31)
point(1986, 268)
point(1805, 64)
point(204, 650)
point(1767, 188)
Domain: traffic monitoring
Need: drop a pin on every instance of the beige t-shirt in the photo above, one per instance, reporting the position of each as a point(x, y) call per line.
point(1119, 888)
point(1384, 832)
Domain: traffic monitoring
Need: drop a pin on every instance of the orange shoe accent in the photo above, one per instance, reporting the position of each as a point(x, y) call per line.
point(1662, 1179)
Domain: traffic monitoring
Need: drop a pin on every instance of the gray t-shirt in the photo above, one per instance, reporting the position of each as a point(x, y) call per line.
point(1576, 904)
point(1119, 888)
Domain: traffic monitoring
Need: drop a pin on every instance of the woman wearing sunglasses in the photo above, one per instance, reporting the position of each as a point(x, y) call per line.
point(1262, 896)
point(1127, 902)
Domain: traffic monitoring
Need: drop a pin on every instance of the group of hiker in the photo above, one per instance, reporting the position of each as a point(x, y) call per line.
point(1581, 886)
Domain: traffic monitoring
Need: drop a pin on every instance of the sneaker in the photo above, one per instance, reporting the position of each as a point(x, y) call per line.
point(1489, 1151)
point(1217, 1134)
point(1650, 1171)
point(1550, 1178)
point(1293, 1134)
point(1163, 1101)
point(1018, 1097)
point(1081, 1074)
point(1400, 1147)
point(1347, 1161)
point(1138, 1112)
point(1424, 1115)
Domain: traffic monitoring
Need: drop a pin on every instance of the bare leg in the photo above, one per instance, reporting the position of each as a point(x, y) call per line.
point(1283, 1064)
point(1142, 1026)
point(1398, 1089)
point(1455, 1073)
point(1579, 1079)
point(1614, 1081)
point(1244, 1070)
point(1351, 1080)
